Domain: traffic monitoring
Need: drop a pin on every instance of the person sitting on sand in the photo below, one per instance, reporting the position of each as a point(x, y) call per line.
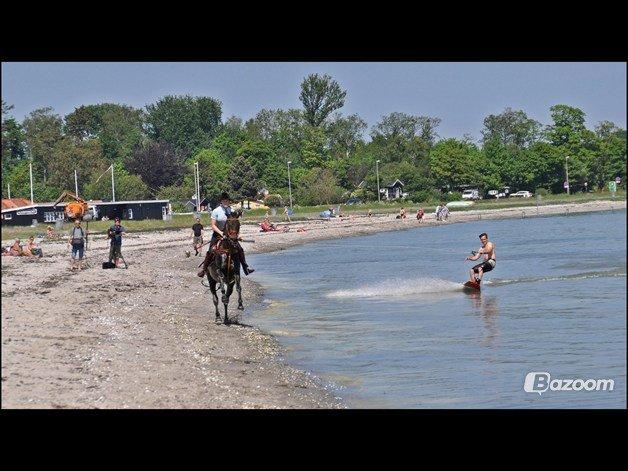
point(266, 226)
point(50, 233)
point(31, 249)
point(444, 213)
point(16, 249)
point(402, 213)
point(370, 214)
point(420, 214)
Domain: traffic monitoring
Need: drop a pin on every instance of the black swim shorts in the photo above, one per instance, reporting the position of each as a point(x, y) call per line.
point(487, 265)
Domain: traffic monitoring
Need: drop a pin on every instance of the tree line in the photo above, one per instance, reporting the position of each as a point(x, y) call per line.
point(331, 157)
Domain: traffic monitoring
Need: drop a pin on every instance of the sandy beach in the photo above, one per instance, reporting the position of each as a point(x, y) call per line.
point(145, 337)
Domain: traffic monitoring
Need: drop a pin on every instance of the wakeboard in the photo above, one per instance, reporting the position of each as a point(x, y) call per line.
point(471, 286)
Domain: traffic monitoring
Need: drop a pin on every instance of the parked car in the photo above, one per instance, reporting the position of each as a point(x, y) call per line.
point(492, 194)
point(523, 194)
point(351, 201)
point(471, 195)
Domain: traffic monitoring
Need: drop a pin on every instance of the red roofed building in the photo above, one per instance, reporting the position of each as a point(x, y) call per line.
point(15, 203)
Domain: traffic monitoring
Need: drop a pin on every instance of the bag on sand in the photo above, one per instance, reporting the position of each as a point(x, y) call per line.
point(108, 265)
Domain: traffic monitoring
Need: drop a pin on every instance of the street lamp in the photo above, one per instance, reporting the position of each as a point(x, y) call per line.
point(567, 172)
point(289, 184)
point(377, 173)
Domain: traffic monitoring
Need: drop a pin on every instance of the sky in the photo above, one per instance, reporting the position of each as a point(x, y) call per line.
point(462, 94)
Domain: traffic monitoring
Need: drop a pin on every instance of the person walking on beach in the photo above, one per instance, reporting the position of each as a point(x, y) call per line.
point(488, 252)
point(77, 241)
point(115, 234)
point(419, 214)
point(197, 235)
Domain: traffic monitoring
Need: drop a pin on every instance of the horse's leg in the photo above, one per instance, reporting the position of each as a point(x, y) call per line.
point(225, 301)
point(212, 288)
point(239, 290)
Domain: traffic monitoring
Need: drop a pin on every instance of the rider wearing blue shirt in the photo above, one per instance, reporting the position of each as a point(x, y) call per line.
point(219, 217)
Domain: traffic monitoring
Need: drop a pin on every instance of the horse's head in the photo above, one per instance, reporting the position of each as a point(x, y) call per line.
point(232, 228)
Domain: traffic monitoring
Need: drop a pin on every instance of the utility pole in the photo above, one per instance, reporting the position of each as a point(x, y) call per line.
point(289, 184)
point(9, 188)
point(75, 183)
point(567, 172)
point(377, 172)
point(30, 166)
point(197, 182)
point(113, 186)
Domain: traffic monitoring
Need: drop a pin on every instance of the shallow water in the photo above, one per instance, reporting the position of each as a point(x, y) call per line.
point(384, 321)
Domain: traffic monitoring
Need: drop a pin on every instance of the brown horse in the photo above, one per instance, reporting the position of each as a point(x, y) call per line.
point(224, 269)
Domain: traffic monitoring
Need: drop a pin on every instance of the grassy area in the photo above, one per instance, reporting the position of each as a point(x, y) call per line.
point(180, 221)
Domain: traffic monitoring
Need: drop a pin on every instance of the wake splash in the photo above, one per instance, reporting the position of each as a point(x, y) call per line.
point(399, 287)
point(619, 272)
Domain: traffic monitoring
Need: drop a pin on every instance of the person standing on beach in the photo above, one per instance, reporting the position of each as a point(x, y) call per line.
point(286, 214)
point(77, 241)
point(115, 234)
point(197, 236)
point(488, 251)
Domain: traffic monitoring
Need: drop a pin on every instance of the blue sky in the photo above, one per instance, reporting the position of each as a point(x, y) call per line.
point(459, 93)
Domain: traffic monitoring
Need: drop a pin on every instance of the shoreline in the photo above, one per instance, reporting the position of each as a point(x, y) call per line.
point(145, 338)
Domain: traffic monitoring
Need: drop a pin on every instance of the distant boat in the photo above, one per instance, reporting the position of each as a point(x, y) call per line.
point(459, 204)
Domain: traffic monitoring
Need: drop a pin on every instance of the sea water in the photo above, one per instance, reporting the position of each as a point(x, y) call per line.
point(383, 321)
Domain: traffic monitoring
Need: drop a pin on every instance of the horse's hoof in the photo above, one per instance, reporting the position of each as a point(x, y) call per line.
point(240, 307)
point(217, 319)
point(227, 321)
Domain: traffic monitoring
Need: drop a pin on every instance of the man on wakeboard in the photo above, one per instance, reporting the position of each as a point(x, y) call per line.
point(488, 251)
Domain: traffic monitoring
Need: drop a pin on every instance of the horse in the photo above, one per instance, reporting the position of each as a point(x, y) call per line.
point(224, 269)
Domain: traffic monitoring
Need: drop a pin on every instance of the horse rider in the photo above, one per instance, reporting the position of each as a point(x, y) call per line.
point(219, 221)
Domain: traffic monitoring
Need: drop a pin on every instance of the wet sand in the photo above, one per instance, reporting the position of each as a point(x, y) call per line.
point(145, 337)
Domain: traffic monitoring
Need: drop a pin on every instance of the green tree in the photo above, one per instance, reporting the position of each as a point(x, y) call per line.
point(609, 159)
point(404, 137)
point(127, 186)
point(186, 123)
point(568, 125)
point(13, 139)
point(511, 127)
point(43, 130)
point(259, 153)
point(345, 134)
point(119, 127)
point(85, 157)
point(242, 180)
point(313, 152)
point(320, 96)
point(455, 162)
point(318, 186)
point(213, 172)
